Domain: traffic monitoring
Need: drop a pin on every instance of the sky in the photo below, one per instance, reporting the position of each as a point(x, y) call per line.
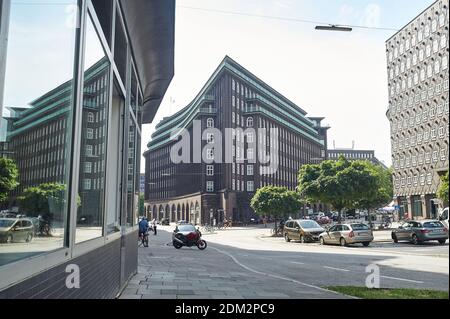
point(336, 75)
point(340, 76)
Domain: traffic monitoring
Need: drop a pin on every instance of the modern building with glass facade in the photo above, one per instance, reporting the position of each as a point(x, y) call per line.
point(216, 179)
point(73, 105)
point(418, 57)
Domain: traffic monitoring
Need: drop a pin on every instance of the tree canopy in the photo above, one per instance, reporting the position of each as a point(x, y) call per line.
point(382, 193)
point(341, 184)
point(9, 175)
point(275, 201)
point(45, 199)
point(443, 189)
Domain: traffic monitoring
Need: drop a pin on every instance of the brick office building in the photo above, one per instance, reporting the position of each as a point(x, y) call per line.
point(234, 103)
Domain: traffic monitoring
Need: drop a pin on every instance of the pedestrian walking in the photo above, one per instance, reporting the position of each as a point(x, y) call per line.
point(265, 221)
point(155, 232)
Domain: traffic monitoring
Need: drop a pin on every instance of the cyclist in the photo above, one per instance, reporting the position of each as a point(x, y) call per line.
point(143, 228)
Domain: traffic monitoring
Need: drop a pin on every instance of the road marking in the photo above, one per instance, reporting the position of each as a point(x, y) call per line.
point(402, 279)
point(297, 263)
point(338, 269)
point(279, 277)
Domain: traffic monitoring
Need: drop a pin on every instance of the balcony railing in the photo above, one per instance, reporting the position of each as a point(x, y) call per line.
point(209, 110)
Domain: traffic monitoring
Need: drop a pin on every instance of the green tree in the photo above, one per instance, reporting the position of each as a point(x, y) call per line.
point(46, 200)
point(9, 175)
point(141, 204)
point(443, 189)
point(276, 202)
point(382, 192)
point(340, 184)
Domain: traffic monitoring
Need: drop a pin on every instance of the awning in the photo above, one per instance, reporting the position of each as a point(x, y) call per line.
point(151, 28)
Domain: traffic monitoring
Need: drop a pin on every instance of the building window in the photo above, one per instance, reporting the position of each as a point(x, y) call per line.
point(210, 170)
point(250, 137)
point(210, 138)
point(90, 134)
point(250, 170)
point(87, 184)
point(90, 117)
point(250, 186)
point(233, 184)
point(210, 186)
point(88, 167)
point(250, 122)
point(210, 154)
point(89, 150)
point(210, 123)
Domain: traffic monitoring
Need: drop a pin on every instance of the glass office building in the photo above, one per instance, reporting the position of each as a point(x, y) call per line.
point(77, 81)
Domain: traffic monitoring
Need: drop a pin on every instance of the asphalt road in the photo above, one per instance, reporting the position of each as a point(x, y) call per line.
point(247, 263)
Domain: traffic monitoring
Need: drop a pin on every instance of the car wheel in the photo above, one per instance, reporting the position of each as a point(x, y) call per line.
point(286, 238)
point(302, 239)
point(394, 238)
point(442, 241)
point(9, 239)
point(343, 242)
point(322, 241)
point(366, 244)
point(29, 238)
point(415, 240)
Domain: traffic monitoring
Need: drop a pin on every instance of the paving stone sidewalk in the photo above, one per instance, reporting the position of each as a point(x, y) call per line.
point(167, 273)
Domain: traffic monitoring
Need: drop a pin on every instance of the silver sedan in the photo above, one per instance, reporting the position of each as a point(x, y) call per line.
point(346, 234)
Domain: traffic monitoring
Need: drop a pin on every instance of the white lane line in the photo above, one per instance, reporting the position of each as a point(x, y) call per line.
point(279, 277)
point(338, 269)
point(402, 279)
point(297, 263)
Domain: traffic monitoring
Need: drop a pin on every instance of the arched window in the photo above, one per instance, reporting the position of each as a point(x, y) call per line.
point(90, 117)
point(210, 123)
point(250, 122)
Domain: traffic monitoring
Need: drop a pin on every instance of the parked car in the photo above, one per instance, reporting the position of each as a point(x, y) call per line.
point(346, 234)
point(165, 222)
point(418, 232)
point(302, 230)
point(15, 230)
point(443, 217)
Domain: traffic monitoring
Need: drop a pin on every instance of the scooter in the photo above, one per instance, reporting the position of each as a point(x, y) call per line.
point(189, 240)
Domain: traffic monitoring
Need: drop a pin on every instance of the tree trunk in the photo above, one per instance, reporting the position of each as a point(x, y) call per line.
point(370, 218)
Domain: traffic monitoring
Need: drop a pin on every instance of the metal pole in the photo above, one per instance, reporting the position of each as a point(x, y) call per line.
point(5, 6)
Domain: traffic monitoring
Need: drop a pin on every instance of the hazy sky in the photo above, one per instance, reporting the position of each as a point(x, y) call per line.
point(341, 76)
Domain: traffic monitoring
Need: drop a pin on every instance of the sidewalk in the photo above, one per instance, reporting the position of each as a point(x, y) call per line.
point(167, 273)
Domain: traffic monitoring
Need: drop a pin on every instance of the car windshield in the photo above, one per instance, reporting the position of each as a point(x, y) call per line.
point(360, 227)
point(184, 228)
point(309, 224)
point(6, 223)
point(433, 225)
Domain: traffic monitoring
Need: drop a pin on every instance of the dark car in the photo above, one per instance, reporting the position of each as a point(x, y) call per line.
point(165, 222)
point(418, 232)
point(302, 230)
point(15, 230)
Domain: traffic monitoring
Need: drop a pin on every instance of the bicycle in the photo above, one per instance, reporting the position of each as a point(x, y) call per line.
point(277, 231)
point(208, 228)
point(143, 239)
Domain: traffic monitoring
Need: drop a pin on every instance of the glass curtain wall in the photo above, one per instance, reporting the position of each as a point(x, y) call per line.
point(41, 112)
point(36, 128)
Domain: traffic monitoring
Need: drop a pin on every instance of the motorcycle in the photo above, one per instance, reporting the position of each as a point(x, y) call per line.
point(189, 237)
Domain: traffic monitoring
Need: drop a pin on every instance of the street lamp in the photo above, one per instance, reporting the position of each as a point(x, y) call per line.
point(333, 27)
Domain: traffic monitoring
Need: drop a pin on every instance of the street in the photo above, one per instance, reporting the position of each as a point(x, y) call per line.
point(248, 263)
